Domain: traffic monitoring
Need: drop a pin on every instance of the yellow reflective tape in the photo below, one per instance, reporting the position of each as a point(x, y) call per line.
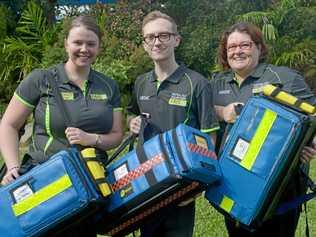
point(258, 139)
point(42, 195)
point(88, 153)
point(227, 204)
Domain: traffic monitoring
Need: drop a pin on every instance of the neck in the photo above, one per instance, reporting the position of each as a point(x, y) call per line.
point(76, 74)
point(164, 69)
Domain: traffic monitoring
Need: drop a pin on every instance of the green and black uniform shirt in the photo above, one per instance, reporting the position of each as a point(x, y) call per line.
point(227, 90)
point(91, 108)
point(183, 97)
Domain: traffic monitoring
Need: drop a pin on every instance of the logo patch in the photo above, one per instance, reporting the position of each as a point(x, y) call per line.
point(126, 191)
point(224, 92)
point(178, 99)
point(144, 97)
point(67, 95)
point(258, 87)
point(99, 96)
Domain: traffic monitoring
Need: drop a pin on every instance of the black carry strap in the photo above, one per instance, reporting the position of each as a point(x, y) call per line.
point(60, 102)
point(296, 202)
point(129, 140)
point(238, 108)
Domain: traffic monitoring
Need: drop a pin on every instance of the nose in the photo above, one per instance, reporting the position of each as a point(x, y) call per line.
point(84, 48)
point(156, 42)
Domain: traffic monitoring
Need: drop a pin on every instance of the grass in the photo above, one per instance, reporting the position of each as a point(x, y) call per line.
point(209, 223)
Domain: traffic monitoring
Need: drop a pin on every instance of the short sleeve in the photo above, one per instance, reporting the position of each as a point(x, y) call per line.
point(300, 89)
point(116, 97)
point(205, 108)
point(132, 107)
point(29, 90)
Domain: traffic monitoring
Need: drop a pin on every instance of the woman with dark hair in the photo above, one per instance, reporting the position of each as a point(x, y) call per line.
point(91, 98)
point(242, 54)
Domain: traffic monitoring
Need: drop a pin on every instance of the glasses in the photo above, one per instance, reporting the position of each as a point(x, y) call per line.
point(243, 45)
point(162, 37)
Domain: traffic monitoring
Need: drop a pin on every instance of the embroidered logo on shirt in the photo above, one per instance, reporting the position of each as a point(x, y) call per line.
point(144, 97)
point(67, 95)
point(258, 87)
point(98, 96)
point(224, 92)
point(178, 99)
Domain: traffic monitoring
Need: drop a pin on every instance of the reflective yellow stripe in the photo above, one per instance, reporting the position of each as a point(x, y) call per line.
point(42, 195)
point(88, 152)
point(258, 139)
point(286, 98)
point(227, 204)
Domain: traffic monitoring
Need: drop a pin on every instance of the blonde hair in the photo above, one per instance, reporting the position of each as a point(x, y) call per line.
point(159, 15)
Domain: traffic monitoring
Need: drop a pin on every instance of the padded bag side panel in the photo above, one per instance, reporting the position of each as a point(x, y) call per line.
point(43, 197)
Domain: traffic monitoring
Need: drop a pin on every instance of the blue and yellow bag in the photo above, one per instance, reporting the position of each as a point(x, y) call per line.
point(258, 159)
point(48, 195)
point(167, 168)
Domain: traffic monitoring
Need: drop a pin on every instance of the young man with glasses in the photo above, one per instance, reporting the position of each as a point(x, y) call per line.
point(171, 94)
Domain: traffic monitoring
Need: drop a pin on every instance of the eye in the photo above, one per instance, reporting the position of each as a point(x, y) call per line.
point(149, 38)
point(245, 45)
point(91, 44)
point(164, 36)
point(231, 47)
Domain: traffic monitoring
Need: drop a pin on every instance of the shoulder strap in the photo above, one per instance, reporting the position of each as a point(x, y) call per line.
point(296, 202)
point(53, 82)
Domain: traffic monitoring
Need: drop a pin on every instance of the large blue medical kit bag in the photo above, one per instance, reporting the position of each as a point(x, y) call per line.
point(258, 159)
point(167, 168)
point(47, 196)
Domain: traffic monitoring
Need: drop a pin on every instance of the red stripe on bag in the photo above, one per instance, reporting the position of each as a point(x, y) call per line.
point(139, 171)
point(202, 151)
point(154, 208)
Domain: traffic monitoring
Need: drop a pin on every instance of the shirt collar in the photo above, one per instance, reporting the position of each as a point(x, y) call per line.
point(175, 77)
point(63, 77)
point(255, 74)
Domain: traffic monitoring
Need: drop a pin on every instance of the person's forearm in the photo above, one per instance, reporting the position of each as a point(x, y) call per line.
point(219, 112)
point(9, 145)
point(108, 141)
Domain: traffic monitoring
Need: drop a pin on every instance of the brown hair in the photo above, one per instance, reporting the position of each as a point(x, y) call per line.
point(159, 15)
point(243, 27)
point(88, 22)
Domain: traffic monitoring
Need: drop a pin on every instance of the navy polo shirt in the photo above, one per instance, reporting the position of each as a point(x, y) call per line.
point(184, 97)
point(91, 108)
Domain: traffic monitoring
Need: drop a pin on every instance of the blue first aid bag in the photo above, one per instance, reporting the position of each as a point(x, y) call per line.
point(160, 173)
point(259, 157)
point(46, 196)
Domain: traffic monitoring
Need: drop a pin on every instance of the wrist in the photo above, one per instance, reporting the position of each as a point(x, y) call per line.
point(14, 168)
point(97, 141)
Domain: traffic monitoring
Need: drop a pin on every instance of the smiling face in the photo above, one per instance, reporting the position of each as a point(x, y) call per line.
point(82, 46)
point(242, 53)
point(163, 39)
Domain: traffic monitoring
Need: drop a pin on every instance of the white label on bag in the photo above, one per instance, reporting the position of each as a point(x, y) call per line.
point(120, 172)
point(22, 193)
point(240, 149)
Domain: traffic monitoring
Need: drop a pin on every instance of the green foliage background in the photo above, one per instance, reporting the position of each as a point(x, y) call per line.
point(29, 39)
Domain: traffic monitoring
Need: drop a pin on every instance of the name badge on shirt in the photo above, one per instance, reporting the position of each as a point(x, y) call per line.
point(178, 99)
point(224, 92)
point(258, 87)
point(98, 96)
point(67, 95)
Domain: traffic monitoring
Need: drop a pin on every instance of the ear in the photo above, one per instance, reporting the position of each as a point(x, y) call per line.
point(178, 40)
